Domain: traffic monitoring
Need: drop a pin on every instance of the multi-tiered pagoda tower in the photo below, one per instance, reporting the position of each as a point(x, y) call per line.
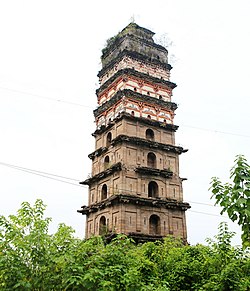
point(135, 186)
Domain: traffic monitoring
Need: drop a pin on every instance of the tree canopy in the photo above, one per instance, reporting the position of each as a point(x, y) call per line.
point(33, 259)
point(234, 198)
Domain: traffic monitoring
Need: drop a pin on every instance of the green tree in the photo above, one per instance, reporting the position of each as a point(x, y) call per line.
point(234, 198)
point(32, 259)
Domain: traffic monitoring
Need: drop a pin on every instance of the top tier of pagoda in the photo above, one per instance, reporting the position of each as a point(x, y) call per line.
point(132, 61)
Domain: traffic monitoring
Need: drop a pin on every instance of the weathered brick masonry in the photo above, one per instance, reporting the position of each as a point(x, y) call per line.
point(135, 186)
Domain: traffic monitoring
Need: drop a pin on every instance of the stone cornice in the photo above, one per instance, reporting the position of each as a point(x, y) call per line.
point(142, 142)
point(148, 143)
point(135, 96)
point(114, 168)
point(136, 56)
point(136, 200)
point(141, 120)
point(137, 74)
point(154, 172)
point(98, 152)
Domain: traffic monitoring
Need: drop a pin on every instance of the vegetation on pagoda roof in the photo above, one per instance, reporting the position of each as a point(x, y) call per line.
point(135, 55)
point(133, 31)
point(132, 26)
point(139, 75)
point(134, 96)
point(135, 199)
point(142, 120)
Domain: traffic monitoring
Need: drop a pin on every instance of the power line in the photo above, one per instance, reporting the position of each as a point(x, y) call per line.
point(52, 177)
point(32, 170)
point(85, 106)
point(216, 131)
point(118, 190)
point(43, 174)
point(121, 190)
point(45, 97)
point(200, 203)
point(211, 214)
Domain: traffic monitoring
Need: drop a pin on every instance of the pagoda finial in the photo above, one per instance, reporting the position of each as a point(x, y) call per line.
point(132, 19)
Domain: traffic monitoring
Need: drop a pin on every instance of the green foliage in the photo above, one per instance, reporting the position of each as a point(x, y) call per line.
point(234, 198)
point(110, 41)
point(31, 259)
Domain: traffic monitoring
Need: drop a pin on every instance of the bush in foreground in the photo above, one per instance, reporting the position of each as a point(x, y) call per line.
point(31, 259)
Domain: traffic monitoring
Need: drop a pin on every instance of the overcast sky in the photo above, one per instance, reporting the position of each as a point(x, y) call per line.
point(49, 58)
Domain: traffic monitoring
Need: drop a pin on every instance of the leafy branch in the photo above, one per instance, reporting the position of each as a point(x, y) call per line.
point(234, 197)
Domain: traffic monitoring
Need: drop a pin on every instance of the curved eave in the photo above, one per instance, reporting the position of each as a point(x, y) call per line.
point(142, 120)
point(115, 168)
point(134, 73)
point(136, 200)
point(139, 141)
point(154, 172)
point(147, 143)
point(135, 96)
point(98, 152)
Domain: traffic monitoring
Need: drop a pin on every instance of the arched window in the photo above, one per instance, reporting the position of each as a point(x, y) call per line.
point(150, 134)
point(102, 225)
point(106, 162)
point(108, 140)
point(133, 113)
point(104, 193)
point(153, 189)
point(149, 117)
point(151, 160)
point(154, 225)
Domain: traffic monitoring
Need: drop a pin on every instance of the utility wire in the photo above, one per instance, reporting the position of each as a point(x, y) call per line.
point(43, 174)
point(216, 131)
point(85, 106)
point(32, 170)
point(121, 190)
point(46, 175)
point(206, 204)
point(211, 214)
point(44, 97)
point(52, 177)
